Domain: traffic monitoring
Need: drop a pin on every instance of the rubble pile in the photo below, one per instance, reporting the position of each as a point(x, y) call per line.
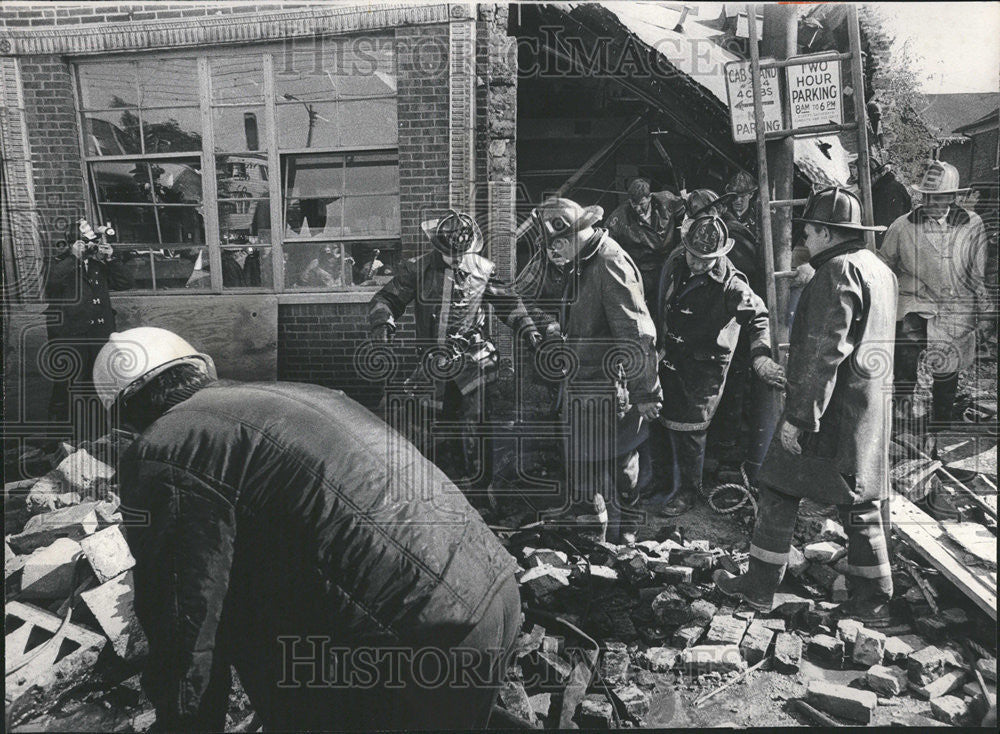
point(652, 609)
point(67, 576)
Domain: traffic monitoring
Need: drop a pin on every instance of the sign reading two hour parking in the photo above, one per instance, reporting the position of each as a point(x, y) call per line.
point(814, 94)
point(739, 88)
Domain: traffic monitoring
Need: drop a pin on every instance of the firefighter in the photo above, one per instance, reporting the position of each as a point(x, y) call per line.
point(610, 337)
point(704, 304)
point(79, 314)
point(938, 252)
point(744, 202)
point(832, 444)
point(890, 199)
point(274, 530)
point(449, 287)
point(645, 226)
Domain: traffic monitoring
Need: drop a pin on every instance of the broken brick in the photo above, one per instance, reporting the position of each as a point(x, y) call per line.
point(636, 570)
point(515, 699)
point(886, 681)
point(670, 574)
point(688, 635)
point(839, 591)
point(545, 557)
point(778, 625)
point(108, 553)
point(74, 522)
point(927, 665)
point(797, 563)
point(787, 652)
point(553, 644)
point(635, 700)
point(987, 668)
point(545, 668)
point(932, 626)
point(725, 630)
point(816, 618)
point(869, 647)
point(712, 659)
point(615, 662)
point(792, 610)
point(945, 684)
point(670, 608)
point(826, 649)
point(530, 641)
point(829, 530)
point(756, 642)
point(12, 562)
point(111, 603)
point(949, 709)
point(699, 545)
point(702, 611)
point(596, 712)
point(543, 581)
point(955, 617)
point(822, 575)
point(896, 650)
point(50, 572)
point(658, 659)
point(847, 630)
point(541, 703)
point(850, 703)
point(79, 475)
point(824, 552)
point(603, 573)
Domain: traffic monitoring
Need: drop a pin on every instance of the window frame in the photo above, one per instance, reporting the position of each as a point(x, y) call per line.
point(268, 147)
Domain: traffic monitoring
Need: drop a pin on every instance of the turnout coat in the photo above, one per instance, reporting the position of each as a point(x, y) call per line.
point(839, 382)
point(700, 324)
point(605, 322)
point(267, 511)
point(648, 243)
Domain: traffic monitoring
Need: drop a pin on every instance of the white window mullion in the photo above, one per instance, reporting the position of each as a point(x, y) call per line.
point(209, 198)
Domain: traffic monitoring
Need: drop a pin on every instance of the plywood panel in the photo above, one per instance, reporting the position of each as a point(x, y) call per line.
point(239, 332)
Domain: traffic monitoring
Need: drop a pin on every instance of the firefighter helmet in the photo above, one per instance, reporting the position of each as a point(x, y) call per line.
point(835, 207)
point(455, 234)
point(558, 217)
point(939, 177)
point(133, 357)
point(708, 237)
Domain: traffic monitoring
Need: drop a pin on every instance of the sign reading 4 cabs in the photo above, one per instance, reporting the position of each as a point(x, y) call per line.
point(814, 94)
point(739, 88)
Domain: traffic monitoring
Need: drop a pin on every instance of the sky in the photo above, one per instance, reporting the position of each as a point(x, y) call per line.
point(959, 42)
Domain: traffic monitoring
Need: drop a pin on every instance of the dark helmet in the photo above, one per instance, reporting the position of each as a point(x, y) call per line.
point(741, 183)
point(558, 217)
point(835, 207)
point(708, 237)
point(455, 234)
point(700, 201)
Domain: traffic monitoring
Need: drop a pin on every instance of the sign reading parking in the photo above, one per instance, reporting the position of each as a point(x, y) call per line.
point(739, 89)
point(814, 94)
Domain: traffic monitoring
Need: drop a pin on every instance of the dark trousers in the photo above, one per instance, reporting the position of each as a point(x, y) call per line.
point(688, 449)
point(727, 424)
point(911, 340)
point(610, 477)
point(868, 572)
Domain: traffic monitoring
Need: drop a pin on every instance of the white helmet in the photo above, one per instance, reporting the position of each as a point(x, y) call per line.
point(132, 358)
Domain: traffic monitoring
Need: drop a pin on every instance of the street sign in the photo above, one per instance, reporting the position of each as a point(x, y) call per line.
point(739, 89)
point(815, 94)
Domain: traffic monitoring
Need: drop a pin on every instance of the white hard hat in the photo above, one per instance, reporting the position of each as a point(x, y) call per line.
point(132, 358)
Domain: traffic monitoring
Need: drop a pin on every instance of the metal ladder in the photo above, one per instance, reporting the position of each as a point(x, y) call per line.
point(860, 125)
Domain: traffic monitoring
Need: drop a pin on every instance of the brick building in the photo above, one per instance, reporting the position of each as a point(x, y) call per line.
point(296, 139)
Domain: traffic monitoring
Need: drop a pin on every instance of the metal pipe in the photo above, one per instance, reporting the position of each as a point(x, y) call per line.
point(802, 132)
point(861, 120)
point(804, 59)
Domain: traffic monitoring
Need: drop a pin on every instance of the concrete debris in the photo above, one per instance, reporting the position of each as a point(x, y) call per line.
point(839, 700)
point(634, 699)
point(702, 611)
point(111, 603)
point(515, 699)
point(824, 552)
point(797, 563)
point(658, 659)
point(541, 705)
point(604, 573)
point(886, 681)
point(725, 630)
point(50, 572)
point(596, 712)
point(615, 663)
point(827, 529)
point(74, 522)
point(945, 684)
point(987, 667)
point(951, 710)
point(839, 591)
point(869, 647)
point(896, 650)
point(756, 642)
point(530, 641)
point(78, 477)
point(712, 659)
point(927, 665)
point(545, 557)
point(108, 553)
point(12, 562)
point(543, 581)
point(688, 635)
point(847, 630)
point(823, 575)
point(670, 574)
point(826, 650)
point(670, 608)
point(787, 652)
point(546, 667)
point(553, 644)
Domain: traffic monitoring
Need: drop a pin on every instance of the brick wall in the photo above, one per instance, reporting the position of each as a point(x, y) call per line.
point(316, 342)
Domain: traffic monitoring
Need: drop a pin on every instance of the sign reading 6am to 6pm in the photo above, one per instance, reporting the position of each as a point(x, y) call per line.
point(739, 88)
point(814, 94)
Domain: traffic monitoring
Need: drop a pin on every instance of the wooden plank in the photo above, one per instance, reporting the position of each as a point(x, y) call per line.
point(925, 535)
point(239, 332)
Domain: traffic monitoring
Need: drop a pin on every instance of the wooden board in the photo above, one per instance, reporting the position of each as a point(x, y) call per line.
point(239, 332)
point(925, 535)
point(969, 453)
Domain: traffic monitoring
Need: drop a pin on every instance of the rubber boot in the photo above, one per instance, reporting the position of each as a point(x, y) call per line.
point(869, 602)
point(756, 587)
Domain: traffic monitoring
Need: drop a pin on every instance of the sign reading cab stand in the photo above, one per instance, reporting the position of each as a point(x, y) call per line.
point(739, 89)
point(815, 94)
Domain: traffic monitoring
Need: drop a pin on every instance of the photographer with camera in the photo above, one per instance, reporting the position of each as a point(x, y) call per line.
point(79, 314)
